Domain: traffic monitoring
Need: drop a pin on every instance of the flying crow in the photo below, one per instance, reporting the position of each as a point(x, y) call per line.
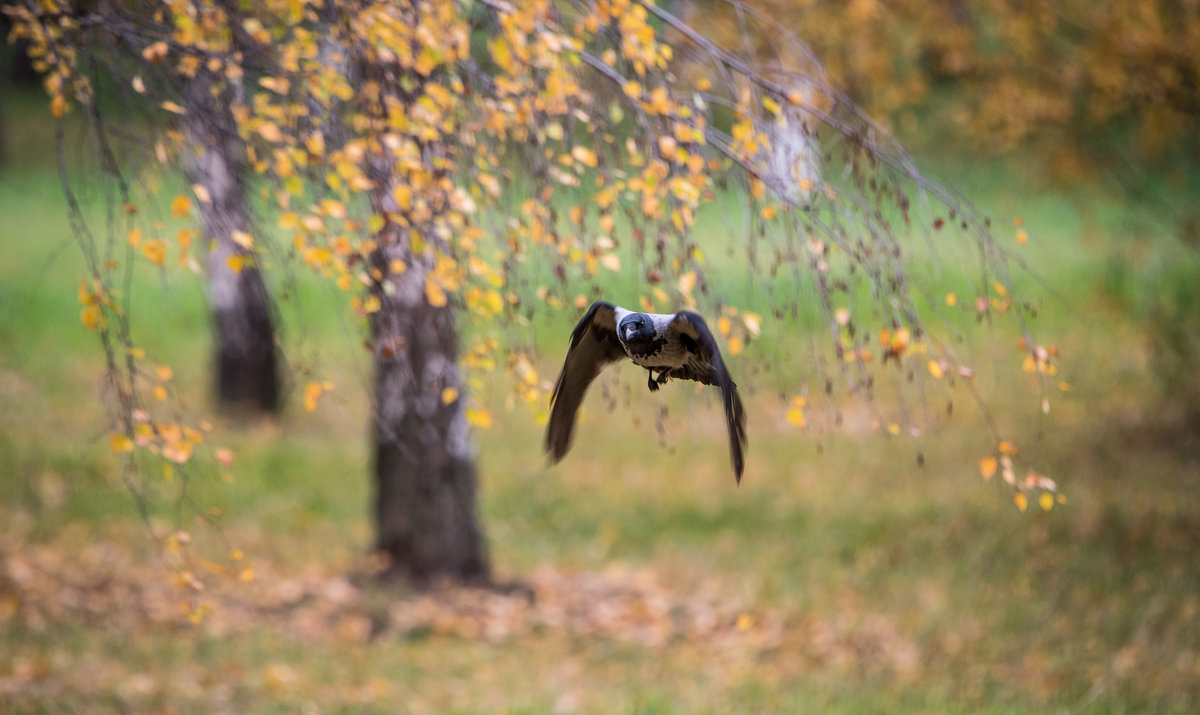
point(679, 346)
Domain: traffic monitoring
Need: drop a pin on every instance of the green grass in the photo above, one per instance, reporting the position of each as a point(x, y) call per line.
point(867, 583)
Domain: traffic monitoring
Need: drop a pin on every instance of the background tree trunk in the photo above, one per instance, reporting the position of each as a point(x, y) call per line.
point(247, 374)
point(423, 458)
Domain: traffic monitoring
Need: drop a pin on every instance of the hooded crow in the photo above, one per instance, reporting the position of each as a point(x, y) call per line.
point(679, 346)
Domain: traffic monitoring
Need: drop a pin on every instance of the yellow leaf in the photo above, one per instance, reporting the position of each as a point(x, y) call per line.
point(987, 467)
point(371, 304)
point(58, 106)
point(165, 373)
point(270, 132)
point(735, 345)
point(334, 208)
point(1021, 501)
point(135, 237)
point(155, 52)
point(795, 416)
point(1046, 501)
point(584, 155)
point(315, 143)
point(1007, 447)
point(403, 196)
point(201, 193)
point(1022, 237)
point(687, 282)
point(236, 263)
point(771, 105)
point(724, 326)
point(434, 293)
point(197, 615)
point(951, 299)
point(243, 239)
point(449, 394)
point(753, 323)
point(312, 393)
point(936, 369)
point(480, 418)
point(181, 206)
point(173, 108)
point(893, 429)
point(160, 393)
point(120, 443)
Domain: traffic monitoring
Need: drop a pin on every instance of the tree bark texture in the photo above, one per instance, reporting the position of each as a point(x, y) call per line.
point(246, 363)
point(425, 503)
point(425, 500)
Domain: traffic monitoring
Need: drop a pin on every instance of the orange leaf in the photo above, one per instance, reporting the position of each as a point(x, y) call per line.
point(156, 251)
point(987, 467)
point(181, 206)
point(1021, 501)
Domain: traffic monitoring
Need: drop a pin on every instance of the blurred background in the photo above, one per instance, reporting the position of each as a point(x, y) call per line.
point(851, 571)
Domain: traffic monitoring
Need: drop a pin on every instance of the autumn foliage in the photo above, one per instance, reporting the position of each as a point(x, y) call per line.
point(495, 159)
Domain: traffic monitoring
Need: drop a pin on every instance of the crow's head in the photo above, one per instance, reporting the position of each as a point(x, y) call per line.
point(636, 328)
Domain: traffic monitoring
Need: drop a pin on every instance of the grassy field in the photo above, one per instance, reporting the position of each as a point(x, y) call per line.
point(839, 577)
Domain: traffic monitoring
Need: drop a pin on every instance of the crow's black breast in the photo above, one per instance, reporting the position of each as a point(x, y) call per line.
point(644, 349)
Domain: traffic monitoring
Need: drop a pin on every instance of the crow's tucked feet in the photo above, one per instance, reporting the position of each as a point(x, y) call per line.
point(655, 382)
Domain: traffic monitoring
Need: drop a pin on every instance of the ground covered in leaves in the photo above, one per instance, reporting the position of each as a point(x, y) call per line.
point(131, 604)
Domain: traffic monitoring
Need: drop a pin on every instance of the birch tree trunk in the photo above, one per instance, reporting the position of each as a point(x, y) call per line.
point(425, 505)
point(423, 458)
point(246, 365)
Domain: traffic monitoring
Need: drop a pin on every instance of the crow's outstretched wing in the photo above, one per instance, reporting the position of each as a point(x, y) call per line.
point(594, 344)
point(704, 365)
